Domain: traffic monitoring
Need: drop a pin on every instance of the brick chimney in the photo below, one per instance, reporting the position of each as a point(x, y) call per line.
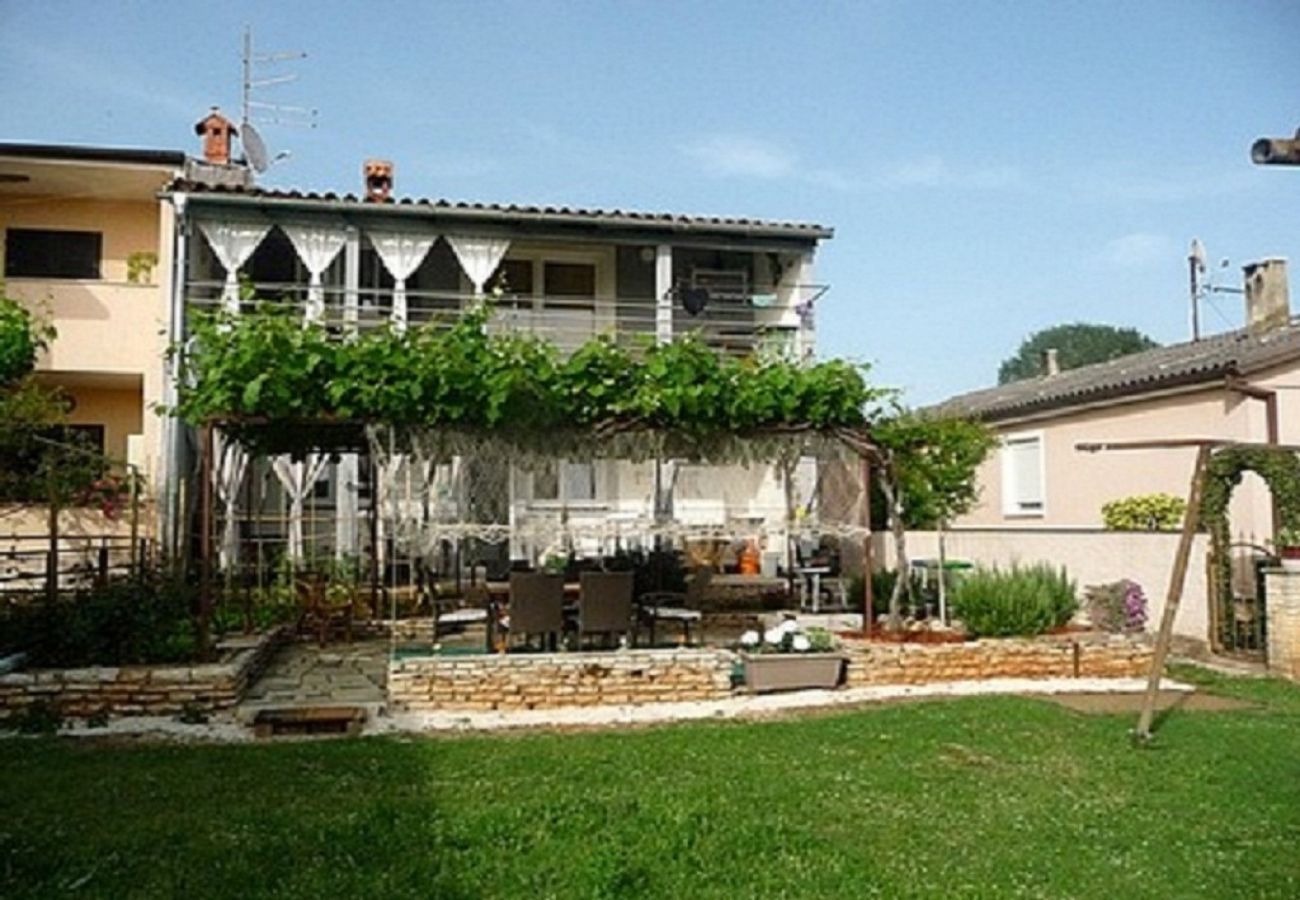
point(379, 180)
point(1050, 363)
point(216, 131)
point(1268, 298)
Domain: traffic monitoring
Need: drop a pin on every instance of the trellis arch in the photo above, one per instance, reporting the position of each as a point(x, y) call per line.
point(1280, 469)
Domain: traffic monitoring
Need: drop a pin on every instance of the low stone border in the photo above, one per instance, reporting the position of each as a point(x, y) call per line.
point(747, 706)
point(144, 690)
point(553, 680)
point(1090, 655)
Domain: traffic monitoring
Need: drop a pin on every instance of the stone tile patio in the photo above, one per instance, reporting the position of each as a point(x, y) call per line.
point(303, 674)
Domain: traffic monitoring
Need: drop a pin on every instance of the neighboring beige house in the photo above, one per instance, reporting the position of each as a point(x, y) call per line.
point(87, 243)
point(1041, 497)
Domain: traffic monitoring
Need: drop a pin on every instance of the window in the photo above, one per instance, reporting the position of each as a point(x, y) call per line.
point(565, 481)
point(1022, 475)
point(570, 285)
point(37, 253)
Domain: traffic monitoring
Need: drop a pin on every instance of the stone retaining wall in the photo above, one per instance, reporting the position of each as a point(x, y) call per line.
point(1282, 593)
point(551, 680)
point(1049, 656)
point(144, 690)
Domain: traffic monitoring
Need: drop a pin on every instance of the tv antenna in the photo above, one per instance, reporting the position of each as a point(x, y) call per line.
point(259, 73)
point(1203, 285)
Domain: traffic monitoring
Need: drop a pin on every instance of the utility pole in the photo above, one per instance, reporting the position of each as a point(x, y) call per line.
point(1195, 269)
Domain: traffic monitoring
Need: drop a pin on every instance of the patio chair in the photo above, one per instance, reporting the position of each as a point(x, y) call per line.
point(319, 612)
point(536, 606)
point(675, 607)
point(452, 615)
point(605, 604)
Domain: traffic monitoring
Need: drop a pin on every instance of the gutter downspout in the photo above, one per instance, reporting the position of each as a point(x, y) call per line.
point(172, 434)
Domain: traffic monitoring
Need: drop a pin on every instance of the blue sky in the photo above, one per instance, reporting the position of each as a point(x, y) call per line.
point(990, 168)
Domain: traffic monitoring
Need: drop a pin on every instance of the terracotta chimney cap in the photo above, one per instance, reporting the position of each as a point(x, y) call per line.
point(217, 117)
point(379, 180)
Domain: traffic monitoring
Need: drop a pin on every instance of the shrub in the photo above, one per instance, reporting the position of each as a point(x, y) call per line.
point(1146, 512)
point(1018, 601)
point(22, 337)
point(131, 621)
point(1117, 607)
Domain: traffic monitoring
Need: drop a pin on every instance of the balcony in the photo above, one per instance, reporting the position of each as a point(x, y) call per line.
point(103, 326)
point(737, 325)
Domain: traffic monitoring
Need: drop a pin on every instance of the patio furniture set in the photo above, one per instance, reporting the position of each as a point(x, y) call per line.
point(543, 607)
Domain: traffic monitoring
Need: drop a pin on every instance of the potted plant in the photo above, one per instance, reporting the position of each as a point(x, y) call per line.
point(789, 658)
point(1287, 542)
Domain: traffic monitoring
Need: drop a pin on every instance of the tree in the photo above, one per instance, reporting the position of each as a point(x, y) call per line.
point(926, 471)
point(1077, 344)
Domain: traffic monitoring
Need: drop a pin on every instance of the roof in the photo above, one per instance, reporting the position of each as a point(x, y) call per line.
point(1236, 353)
point(75, 153)
point(510, 212)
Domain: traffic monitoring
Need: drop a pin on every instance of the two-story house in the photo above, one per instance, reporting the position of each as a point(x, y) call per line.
point(566, 274)
point(87, 244)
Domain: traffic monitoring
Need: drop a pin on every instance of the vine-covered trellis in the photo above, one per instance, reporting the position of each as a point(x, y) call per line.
point(1280, 470)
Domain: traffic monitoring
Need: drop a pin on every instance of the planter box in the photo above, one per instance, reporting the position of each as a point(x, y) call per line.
point(792, 671)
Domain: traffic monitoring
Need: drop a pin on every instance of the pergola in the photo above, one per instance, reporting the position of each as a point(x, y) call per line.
point(429, 487)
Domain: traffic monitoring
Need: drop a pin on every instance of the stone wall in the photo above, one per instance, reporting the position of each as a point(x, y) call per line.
point(1282, 590)
point(144, 690)
point(550, 680)
point(1048, 656)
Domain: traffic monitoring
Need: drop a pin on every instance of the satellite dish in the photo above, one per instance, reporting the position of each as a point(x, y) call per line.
point(255, 149)
point(694, 299)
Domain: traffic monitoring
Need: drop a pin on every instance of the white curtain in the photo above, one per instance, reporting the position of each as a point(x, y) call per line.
point(401, 253)
point(317, 246)
point(478, 256)
point(298, 479)
point(232, 462)
point(233, 243)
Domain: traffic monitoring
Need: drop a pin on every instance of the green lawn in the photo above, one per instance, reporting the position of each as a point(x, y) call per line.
point(980, 797)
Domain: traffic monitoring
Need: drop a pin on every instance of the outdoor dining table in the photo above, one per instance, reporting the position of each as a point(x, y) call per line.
point(499, 600)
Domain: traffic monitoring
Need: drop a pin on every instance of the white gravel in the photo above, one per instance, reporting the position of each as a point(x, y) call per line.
point(748, 705)
point(225, 728)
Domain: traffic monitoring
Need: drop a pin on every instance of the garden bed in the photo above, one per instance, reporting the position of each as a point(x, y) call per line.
point(554, 680)
point(143, 690)
point(1069, 655)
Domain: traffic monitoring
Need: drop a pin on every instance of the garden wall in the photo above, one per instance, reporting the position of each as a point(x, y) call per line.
point(1283, 593)
point(1048, 656)
point(144, 690)
point(551, 680)
point(1090, 556)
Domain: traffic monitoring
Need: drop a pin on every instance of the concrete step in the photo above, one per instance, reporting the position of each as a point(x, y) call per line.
point(301, 719)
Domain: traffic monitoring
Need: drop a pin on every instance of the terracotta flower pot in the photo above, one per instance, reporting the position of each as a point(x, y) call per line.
point(766, 672)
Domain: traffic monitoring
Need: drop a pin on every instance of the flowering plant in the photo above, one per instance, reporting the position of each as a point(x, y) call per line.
point(1120, 606)
point(788, 637)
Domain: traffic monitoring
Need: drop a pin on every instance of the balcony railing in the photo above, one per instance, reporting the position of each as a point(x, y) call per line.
point(731, 325)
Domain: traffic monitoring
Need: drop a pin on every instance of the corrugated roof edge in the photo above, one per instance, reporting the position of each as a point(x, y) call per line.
point(1180, 365)
point(73, 152)
point(632, 218)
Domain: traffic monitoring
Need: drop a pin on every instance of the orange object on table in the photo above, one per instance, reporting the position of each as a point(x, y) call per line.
point(749, 559)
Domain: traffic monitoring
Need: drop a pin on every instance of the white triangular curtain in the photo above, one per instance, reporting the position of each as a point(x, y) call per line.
point(387, 472)
point(317, 245)
point(233, 243)
point(478, 256)
point(298, 478)
point(401, 253)
point(232, 462)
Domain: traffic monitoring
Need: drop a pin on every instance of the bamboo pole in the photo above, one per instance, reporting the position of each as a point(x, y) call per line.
point(1177, 579)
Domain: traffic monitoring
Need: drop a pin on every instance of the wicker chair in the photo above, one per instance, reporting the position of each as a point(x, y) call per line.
point(319, 612)
point(536, 606)
point(605, 604)
point(675, 607)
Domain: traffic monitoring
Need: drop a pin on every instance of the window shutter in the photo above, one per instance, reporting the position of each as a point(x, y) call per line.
point(1024, 473)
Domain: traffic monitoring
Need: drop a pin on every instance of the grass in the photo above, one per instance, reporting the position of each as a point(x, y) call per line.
point(979, 797)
